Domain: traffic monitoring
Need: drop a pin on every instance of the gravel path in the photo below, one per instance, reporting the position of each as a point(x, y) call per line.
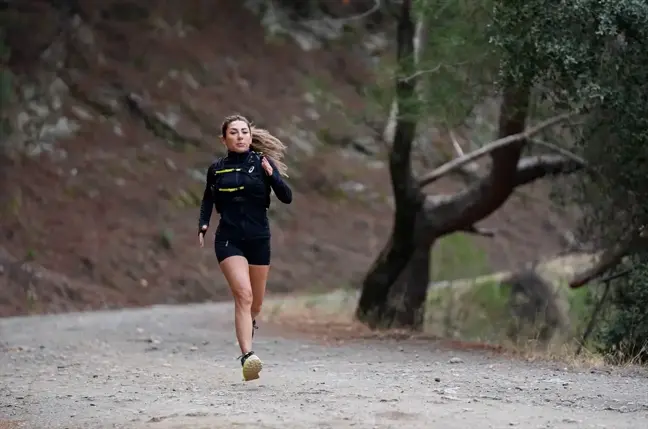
point(174, 367)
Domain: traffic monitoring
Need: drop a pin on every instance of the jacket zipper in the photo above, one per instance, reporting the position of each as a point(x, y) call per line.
point(239, 184)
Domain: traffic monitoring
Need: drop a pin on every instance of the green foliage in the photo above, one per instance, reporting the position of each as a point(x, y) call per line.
point(456, 67)
point(479, 312)
point(581, 303)
point(591, 53)
point(623, 335)
point(458, 64)
point(456, 256)
point(474, 313)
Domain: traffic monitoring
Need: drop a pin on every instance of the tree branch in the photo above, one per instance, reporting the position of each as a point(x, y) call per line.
point(532, 168)
point(611, 257)
point(560, 150)
point(422, 72)
point(434, 69)
point(447, 214)
point(490, 147)
point(529, 169)
point(469, 170)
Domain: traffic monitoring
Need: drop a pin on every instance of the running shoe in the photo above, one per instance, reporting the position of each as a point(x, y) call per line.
point(251, 365)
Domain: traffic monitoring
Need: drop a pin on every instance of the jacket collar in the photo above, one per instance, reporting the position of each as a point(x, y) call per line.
point(237, 157)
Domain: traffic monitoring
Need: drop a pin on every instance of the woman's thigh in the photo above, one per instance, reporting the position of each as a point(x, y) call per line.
point(258, 280)
point(257, 253)
point(235, 269)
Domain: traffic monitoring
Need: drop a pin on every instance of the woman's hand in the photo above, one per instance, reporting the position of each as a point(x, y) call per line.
point(201, 235)
point(266, 166)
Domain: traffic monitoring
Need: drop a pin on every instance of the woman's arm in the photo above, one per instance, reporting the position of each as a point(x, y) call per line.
point(280, 188)
point(207, 203)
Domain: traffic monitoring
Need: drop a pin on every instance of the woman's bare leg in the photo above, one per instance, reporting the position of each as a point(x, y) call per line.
point(235, 270)
point(258, 280)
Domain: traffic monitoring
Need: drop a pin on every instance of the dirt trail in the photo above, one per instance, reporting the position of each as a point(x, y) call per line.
point(174, 367)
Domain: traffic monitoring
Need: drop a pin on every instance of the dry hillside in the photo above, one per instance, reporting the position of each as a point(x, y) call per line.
point(115, 119)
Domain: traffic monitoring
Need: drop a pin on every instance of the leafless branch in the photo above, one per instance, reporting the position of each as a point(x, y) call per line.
point(422, 72)
point(561, 151)
point(490, 147)
point(455, 144)
point(433, 70)
point(611, 257)
point(469, 170)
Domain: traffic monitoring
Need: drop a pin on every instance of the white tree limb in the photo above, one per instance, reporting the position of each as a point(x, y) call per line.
point(490, 147)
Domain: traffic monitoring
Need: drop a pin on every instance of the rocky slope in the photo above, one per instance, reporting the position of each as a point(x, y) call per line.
point(115, 118)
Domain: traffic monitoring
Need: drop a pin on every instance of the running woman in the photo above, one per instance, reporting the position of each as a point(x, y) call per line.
point(239, 187)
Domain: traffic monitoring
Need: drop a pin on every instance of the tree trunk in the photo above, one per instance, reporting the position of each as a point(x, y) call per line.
point(407, 196)
point(383, 273)
point(406, 302)
point(394, 290)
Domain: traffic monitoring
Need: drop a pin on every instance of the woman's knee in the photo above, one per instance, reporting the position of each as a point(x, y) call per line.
point(243, 296)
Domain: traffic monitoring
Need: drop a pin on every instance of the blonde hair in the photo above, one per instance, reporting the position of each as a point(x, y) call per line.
point(263, 142)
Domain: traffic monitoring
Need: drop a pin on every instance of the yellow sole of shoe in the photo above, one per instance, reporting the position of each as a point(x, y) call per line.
point(251, 368)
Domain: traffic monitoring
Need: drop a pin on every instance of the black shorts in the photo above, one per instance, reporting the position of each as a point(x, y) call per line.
point(256, 251)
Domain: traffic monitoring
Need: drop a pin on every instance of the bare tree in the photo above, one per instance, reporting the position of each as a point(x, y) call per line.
point(394, 289)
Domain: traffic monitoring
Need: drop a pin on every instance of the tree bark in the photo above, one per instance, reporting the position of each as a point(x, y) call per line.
point(406, 302)
point(383, 273)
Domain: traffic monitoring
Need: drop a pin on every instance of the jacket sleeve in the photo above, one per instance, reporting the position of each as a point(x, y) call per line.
point(207, 203)
point(280, 188)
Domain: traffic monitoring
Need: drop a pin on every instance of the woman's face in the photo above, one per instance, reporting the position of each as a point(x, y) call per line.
point(237, 136)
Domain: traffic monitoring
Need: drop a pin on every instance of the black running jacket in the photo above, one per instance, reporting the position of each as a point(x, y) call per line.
point(239, 188)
